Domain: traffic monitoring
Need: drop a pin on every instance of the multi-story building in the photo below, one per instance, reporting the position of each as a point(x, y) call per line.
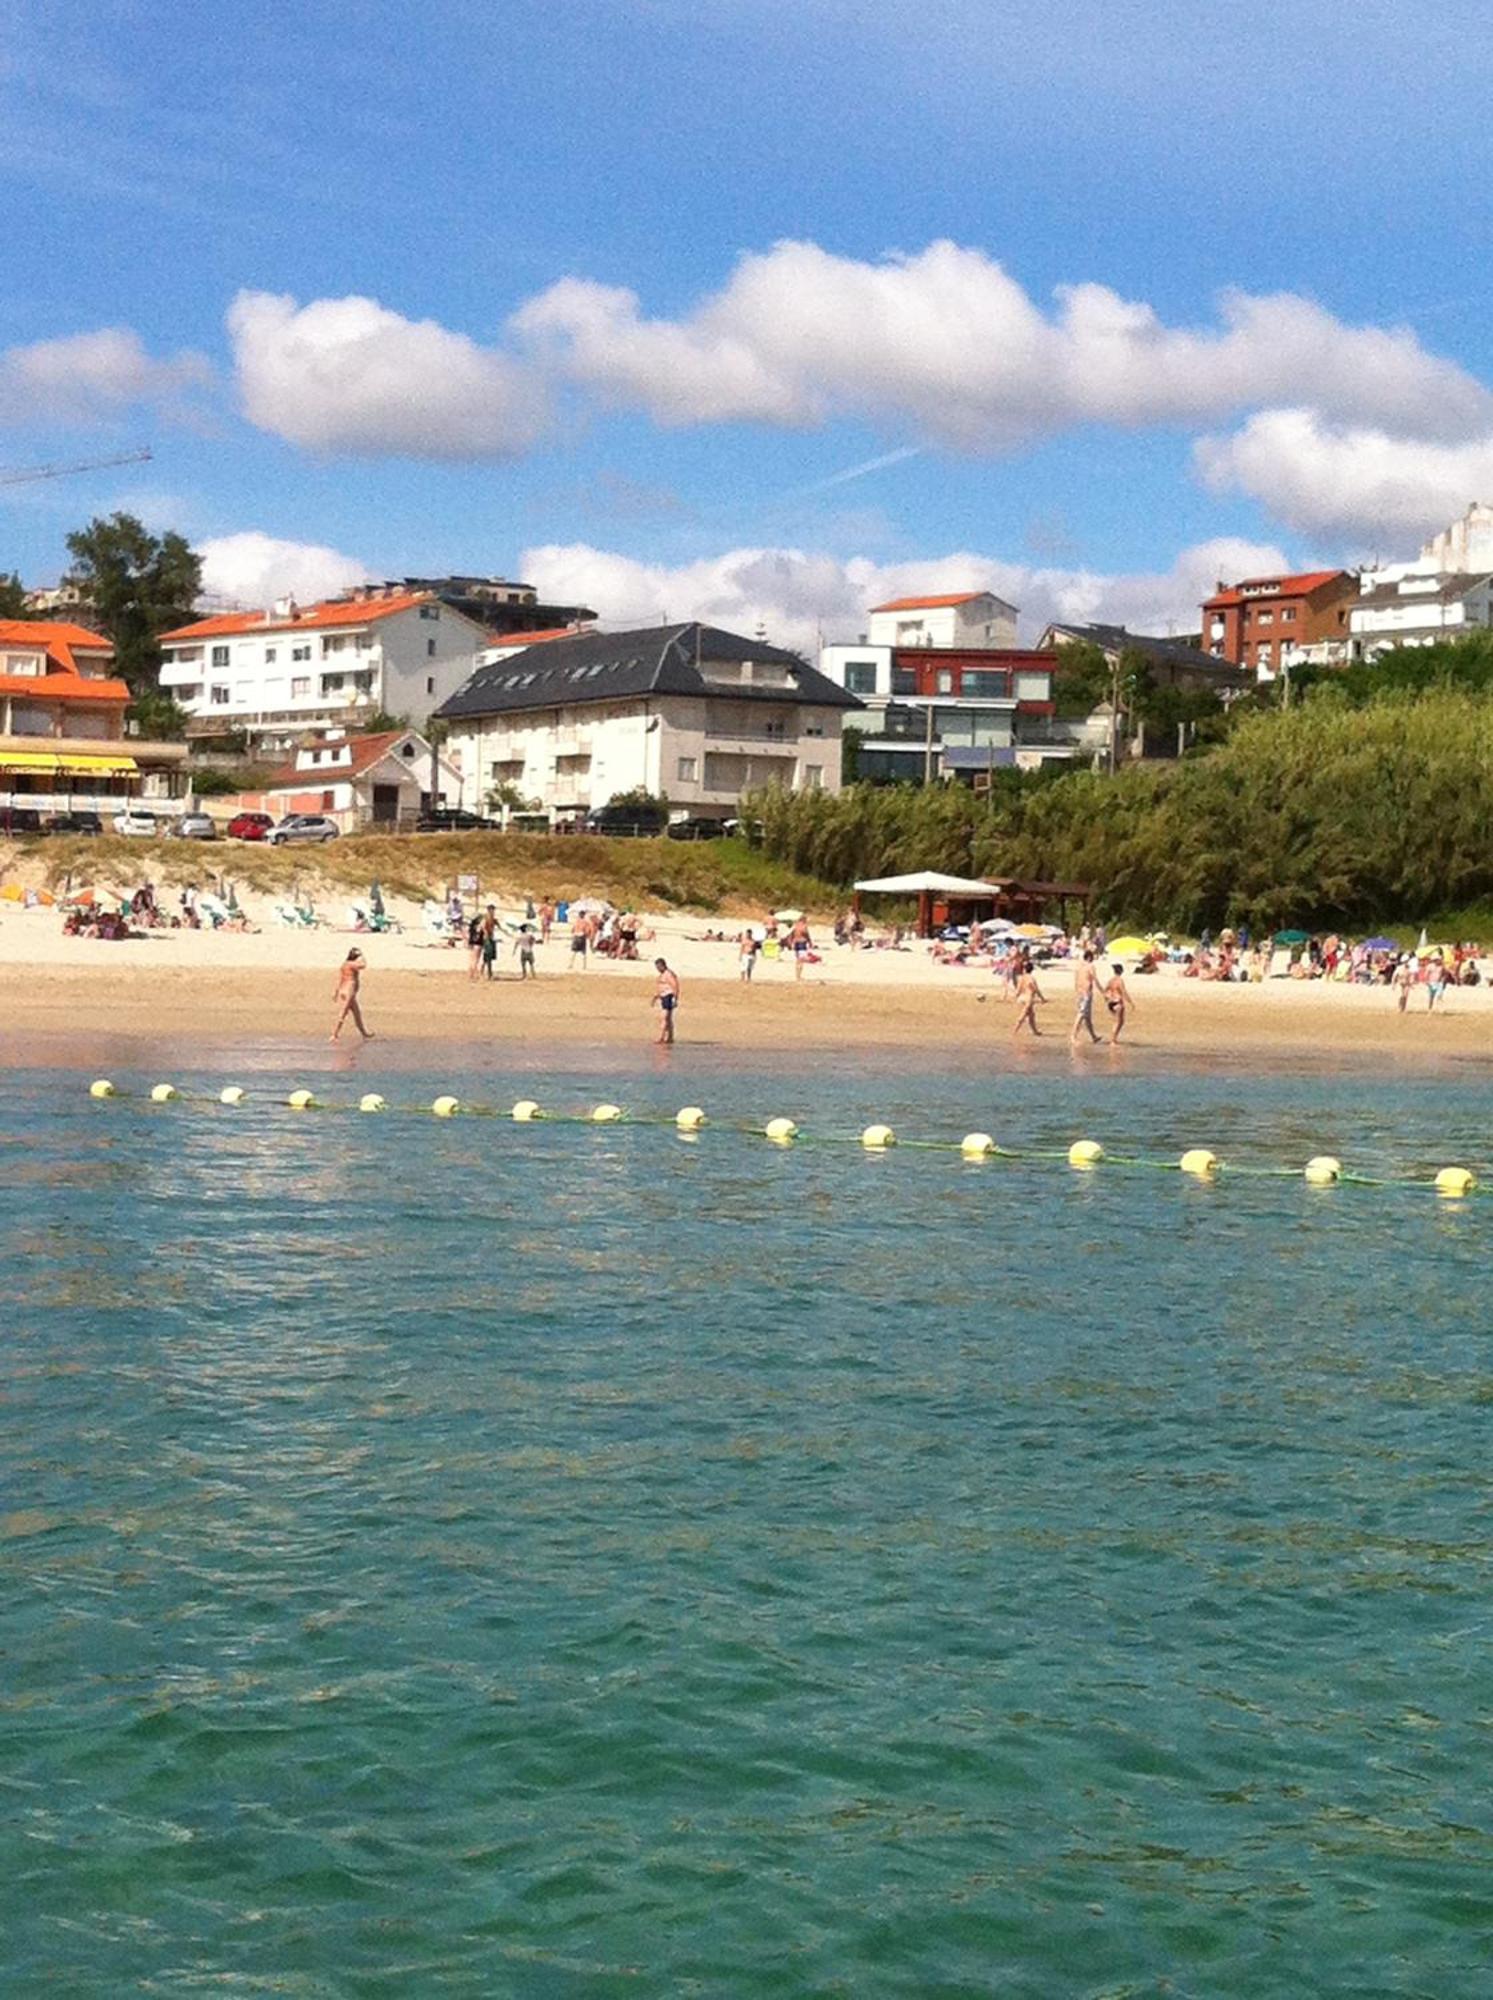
point(1173, 662)
point(63, 738)
point(956, 618)
point(1272, 623)
point(274, 675)
point(685, 711)
point(1413, 606)
point(490, 601)
point(1465, 548)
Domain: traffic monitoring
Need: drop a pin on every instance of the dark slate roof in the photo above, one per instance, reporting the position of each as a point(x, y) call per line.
point(621, 666)
point(1448, 591)
point(1174, 652)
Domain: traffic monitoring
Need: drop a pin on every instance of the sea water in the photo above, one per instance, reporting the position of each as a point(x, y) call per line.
point(464, 1558)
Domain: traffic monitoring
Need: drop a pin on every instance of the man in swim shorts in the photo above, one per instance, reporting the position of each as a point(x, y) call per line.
point(666, 998)
point(1085, 985)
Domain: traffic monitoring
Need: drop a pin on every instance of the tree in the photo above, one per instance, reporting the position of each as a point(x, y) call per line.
point(137, 586)
point(1082, 680)
point(13, 597)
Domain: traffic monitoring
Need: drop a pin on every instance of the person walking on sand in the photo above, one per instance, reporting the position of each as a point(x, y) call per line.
point(580, 942)
point(1085, 986)
point(747, 947)
point(666, 999)
point(346, 996)
point(1029, 997)
point(800, 944)
point(546, 920)
point(1404, 979)
point(523, 946)
point(1117, 999)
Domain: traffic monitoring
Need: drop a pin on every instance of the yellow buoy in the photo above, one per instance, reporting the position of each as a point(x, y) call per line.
point(977, 1145)
point(1454, 1182)
point(606, 1114)
point(1323, 1171)
point(1085, 1153)
point(1198, 1160)
point(781, 1130)
point(163, 1093)
point(103, 1088)
point(525, 1111)
point(302, 1100)
point(690, 1119)
point(233, 1094)
point(371, 1101)
point(446, 1107)
point(876, 1138)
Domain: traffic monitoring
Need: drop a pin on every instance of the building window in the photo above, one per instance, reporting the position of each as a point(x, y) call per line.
point(986, 681)
point(300, 652)
point(328, 800)
point(687, 770)
point(813, 729)
point(331, 683)
point(23, 663)
point(813, 777)
point(269, 656)
point(430, 683)
point(904, 680)
point(430, 611)
point(300, 686)
point(220, 656)
point(1288, 614)
point(860, 676)
point(945, 681)
point(219, 696)
point(430, 649)
point(1263, 617)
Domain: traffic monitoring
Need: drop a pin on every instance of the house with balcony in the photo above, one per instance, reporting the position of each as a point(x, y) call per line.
point(1273, 623)
point(376, 782)
point(64, 744)
point(690, 712)
point(949, 711)
point(1415, 606)
point(274, 675)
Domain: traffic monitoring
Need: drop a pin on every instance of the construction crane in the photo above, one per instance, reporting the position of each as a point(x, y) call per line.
point(21, 475)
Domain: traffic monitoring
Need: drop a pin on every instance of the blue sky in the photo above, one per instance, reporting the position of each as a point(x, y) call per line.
point(655, 428)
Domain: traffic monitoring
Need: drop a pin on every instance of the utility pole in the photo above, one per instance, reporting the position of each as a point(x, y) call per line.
point(1114, 715)
point(928, 746)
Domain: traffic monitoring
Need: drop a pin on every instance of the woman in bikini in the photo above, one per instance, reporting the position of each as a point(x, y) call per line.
point(346, 995)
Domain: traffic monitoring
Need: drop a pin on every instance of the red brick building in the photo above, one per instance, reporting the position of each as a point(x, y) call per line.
point(1270, 621)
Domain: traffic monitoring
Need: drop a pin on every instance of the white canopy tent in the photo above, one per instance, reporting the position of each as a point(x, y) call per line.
point(929, 885)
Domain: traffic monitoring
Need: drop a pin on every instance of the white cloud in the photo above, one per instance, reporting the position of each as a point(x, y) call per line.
point(948, 342)
point(797, 595)
point(254, 569)
point(1348, 481)
point(348, 375)
point(84, 378)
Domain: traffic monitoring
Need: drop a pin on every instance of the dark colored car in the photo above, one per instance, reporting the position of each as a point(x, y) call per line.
point(249, 826)
point(452, 819)
point(20, 819)
point(696, 829)
point(636, 817)
point(75, 822)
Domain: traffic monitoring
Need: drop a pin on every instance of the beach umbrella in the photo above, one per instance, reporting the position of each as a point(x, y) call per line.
point(786, 916)
point(1380, 944)
point(1129, 947)
point(1290, 937)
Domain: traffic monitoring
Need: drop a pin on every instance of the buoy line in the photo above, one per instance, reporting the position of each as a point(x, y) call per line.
point(1324, 1170)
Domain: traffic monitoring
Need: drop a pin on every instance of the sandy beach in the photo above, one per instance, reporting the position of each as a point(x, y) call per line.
point(276, 982)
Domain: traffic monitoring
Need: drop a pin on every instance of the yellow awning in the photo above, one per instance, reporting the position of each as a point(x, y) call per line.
point(109, 767)
point(27, 761)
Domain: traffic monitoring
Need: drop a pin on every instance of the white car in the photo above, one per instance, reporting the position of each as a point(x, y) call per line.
point(302, 826)
point(133, 820)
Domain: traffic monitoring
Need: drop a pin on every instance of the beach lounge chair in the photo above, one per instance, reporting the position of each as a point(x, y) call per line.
point(284, 914)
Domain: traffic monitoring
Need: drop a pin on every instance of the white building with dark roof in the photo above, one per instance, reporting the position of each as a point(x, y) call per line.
point(1415, 606)
point(688, 712)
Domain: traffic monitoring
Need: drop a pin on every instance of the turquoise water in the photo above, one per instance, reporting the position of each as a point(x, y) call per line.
point(463, 1559)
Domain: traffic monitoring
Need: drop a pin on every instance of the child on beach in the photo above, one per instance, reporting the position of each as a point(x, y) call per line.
point(346, 995)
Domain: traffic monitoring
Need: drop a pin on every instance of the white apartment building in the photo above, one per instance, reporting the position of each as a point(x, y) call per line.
point(684, 711)
point(1416, 606)
point(276, 674)
point(955, 618)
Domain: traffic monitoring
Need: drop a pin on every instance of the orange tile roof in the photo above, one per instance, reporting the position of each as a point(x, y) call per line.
point(61, 643)
point(330, 614)
point(510, 642)
point(1272, 586)
point(367, 751)
point(931, 603)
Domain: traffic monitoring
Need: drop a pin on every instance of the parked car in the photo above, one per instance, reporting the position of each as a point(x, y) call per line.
point(696, 829)
point(302, 826)
point(250, 826)
point(452, 819)
point(20, 819)
point(635, 817)
point(136, 822)
point(194, 826)
point(75, 822)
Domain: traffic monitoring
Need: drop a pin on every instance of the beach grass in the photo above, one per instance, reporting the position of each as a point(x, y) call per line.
point(712, 877)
